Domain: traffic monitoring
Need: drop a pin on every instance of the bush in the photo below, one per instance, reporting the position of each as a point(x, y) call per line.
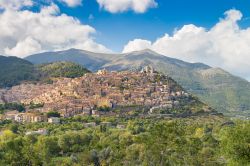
point(53, 114)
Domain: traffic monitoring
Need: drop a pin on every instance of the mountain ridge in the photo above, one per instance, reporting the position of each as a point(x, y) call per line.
point(35, 58)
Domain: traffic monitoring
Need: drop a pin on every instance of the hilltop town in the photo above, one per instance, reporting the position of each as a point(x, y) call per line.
point(101, 94)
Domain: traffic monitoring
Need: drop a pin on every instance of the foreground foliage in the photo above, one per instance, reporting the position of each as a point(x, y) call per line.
point(198, 141)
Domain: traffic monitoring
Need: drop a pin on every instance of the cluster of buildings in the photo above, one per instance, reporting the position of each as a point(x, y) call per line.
point(84, 95)
point(23, 92)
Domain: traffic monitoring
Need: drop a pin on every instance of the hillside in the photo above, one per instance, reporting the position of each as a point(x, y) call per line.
point(90, 60)
point(219, 88)
point(15, 71)
point(62, 69)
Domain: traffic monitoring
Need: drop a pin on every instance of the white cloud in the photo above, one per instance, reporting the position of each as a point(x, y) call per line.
point(136, 45)
point(25, 47)
point(116, 6)
point(15, 4)
point(72, 3)
point(25, 32)
point(18, 4)
point(225, 45)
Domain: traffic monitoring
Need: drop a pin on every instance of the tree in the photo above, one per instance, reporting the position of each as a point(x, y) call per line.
point(53, 114)
point(235, 143)
point(29, 152)
point(47, 148)
point(14, 128)
point(95, 158)
point(12, 106)
point(103, 109)
point(11, 147)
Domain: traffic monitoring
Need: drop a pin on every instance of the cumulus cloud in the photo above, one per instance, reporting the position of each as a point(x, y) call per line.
point(72, 3)
point(25, 47)
point(18, 4)
point(116, 6)
point(136, 45)
point(24, 32)
point(15, 4)
point(225, 45)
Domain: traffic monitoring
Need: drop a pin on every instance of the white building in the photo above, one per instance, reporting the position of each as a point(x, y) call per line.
point(91, 124)
point(107, 124)
point(102, 72)
point(54, 120)
point(39, 132)
point(19, 118)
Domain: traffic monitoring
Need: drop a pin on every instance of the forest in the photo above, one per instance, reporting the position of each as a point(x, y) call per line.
point(208, 140)
point(15, 71)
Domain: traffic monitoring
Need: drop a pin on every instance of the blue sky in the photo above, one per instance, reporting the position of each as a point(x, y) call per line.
point(115, 30)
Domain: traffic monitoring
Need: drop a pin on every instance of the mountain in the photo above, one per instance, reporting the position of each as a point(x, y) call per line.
point(14, 71)
point(222, 90)
point(92, 61)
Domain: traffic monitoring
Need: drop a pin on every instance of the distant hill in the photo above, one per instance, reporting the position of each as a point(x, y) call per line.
point(90, 60)
point(14, 71)
point(220, 89)
point(62, 69)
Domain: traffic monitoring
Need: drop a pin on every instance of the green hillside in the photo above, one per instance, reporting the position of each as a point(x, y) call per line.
point(62, 69)
point(216, 87)
point(14, 71)
point(233, 93)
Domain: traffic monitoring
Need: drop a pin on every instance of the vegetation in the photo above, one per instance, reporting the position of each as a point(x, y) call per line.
point(12, 106)
point(104, 109)
point(33, 105)
point(62, 69)
point(216, 87)
point(15, 71)
point(53, 114)
point(199, 141)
